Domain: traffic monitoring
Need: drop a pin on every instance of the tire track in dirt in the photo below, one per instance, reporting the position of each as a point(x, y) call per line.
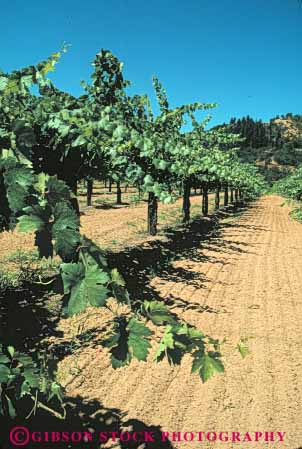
point(250, 278)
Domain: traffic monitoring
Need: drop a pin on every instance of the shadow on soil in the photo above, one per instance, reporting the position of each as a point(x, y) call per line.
point(106, 206)
point(140, 264)
point(26, 320)
point(86, 419)
point(28, 317)
point(31, 314)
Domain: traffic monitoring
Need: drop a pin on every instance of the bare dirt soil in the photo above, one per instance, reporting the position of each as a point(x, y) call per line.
point(111, 226)
point(243, 282)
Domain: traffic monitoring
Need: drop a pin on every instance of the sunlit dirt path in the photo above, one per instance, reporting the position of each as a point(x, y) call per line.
point(248, 282)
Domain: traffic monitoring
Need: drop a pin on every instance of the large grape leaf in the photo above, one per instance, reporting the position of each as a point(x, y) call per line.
point(65, 231)
point(57, 191)
point(78, 301)
point(86, 286)
point(207, 364)
point(66, 244)
point(72, 273)
point(94, 285)
point(64, 218)
point(29, 223)
point(18, 182)
point(128, 340)
point(36, 218)
point(138, 342)
point(177, 340)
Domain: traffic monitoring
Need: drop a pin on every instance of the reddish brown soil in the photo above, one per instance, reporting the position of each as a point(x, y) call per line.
point(247, 282)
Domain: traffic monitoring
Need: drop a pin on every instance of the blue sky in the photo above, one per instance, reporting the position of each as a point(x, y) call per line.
point(245, 55)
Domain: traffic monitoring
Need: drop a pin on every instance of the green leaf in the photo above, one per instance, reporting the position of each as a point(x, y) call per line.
point(243, 349)
point(93, 286)
point(31, 376)
point(40, 186)
point(118, 287)
point(127, 340)
point(30, 223)
point(66, 244)
point(24, 133)
point(37, 218)
point(4, 359)
point(197, 361)
point(86, 286)
point(210, 366)
point(158, 312)
point(43, 383)
point(166, 342)
point(118, 343)
point(65, 231)
point(163, 165)
point(57, 191)
point(55, 391)
point(3, 82)
point(25, 360)
point(64, 130)
point(93, 254)
point(148, 180)
point(64, 218)
point(4, 373)
point(54, 122)
point(18, 181)
point(20, 175)
point(16, 371)
point(138, 339)
point(72, 273)
point(116, 278)
point(194, 334)
point(79, 141)
point(178, 340)
point(25, 389)
point(119, 132)
point(78, 301)
point(27, 81)
point(11, 351)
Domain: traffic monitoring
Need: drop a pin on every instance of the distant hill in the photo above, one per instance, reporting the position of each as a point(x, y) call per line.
point(275, 146)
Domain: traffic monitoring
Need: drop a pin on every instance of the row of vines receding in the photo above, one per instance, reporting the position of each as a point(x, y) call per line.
point(52, 141)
